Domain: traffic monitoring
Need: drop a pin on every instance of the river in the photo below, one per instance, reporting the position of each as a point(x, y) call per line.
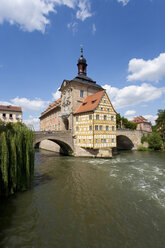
point(89, 203)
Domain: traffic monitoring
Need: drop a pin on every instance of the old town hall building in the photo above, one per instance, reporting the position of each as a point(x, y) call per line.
point(86, 110)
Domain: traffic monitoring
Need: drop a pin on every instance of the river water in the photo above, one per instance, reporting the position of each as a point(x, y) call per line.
point(89, 203)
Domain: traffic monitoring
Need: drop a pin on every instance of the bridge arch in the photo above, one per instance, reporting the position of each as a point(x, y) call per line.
point(64, 147)
point(63, 139)
point(124, 143)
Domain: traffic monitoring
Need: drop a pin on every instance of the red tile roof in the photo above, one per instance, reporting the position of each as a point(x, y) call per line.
point(90, 103)
point(10, 108)
point(51, 106)
point(140, 119)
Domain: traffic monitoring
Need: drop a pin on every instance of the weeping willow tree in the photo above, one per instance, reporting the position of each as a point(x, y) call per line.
point(16, 158)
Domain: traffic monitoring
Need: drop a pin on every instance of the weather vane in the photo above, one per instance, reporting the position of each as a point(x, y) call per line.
point(81, 49)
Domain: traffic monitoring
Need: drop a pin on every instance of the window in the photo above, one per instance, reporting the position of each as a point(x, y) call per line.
point(104, 101)
point(101, 109)
point(11, 116)
point(83, 141)
point(84, 103)
point(112, 118)
point(108, 109)
point(96, 141)
point(17, 116)
point(97, 117)
point(112, 140)
point(77, 128)
point(104, 140)
point(105, 117)
point(76, 118)
point(93, 101)
point(90, 117)
point(90, 128)
point(89, 141)
point(96, 127)
point(101, 128)
point(113, 128)
point(79, 141)
point(107, 128)
point(81, 93)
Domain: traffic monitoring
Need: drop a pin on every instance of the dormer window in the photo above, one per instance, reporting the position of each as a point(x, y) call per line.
point(84, 103)
point(93, 101)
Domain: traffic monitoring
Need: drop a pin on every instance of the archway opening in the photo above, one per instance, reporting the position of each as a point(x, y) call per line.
point(61, 147)
point(66, 123)
point(124, 143)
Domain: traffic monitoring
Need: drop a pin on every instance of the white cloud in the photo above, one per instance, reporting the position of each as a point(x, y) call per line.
point(133, 95)
point(130, 112)
point(33, 15)
point(147, 70)
point(151, 118)
point(84, 10)
point(33, 122)
point(73, 26)
point(124, 2)
point(27, 104)
point(56, 95)
point(5, 103)
point(93, 29)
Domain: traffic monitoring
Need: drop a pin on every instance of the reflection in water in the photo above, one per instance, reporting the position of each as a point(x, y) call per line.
point(81, 202)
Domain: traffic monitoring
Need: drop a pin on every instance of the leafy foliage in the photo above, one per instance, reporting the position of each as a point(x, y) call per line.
point(16, 158)
point(144, 139)
point(160, 124)
point(124, 122)
point(154, 140)
point(142, 148)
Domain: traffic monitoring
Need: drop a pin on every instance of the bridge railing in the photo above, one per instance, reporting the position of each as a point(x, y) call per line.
point(52, 132)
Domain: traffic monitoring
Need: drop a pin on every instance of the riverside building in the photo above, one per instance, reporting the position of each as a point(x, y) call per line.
point(142, 124)
point(10, 113)
point(86, 110)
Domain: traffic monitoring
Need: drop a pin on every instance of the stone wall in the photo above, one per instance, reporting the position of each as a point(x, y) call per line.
point(94, 153)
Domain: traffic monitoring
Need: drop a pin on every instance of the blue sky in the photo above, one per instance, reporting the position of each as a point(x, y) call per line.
point(124, 44)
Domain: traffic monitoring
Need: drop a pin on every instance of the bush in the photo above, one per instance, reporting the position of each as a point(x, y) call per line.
point(144, 139)
point(155, 141)
point(142, 148)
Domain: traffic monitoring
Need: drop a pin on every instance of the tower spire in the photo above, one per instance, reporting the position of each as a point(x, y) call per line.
point(82, 65)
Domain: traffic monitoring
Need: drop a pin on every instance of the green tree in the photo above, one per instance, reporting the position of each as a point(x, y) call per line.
point(160, 124)
point(16, 158)
point(118, 120)
point(125, 123)
point(155, 141)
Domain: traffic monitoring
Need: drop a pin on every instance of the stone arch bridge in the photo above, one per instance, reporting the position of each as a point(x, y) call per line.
point(129, 139)
point(126, 139)
point(63, 138)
